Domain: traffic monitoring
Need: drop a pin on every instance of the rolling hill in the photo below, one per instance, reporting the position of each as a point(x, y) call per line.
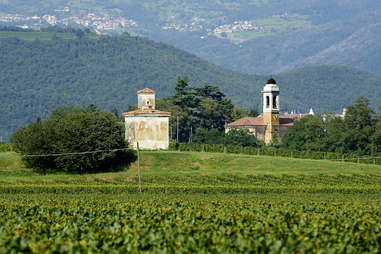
point(62, 68)
point(248, 36)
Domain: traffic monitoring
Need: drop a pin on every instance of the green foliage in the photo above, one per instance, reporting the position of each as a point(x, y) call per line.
point(359, 126)
point(107, 71)
point(205, 136)
point(241, 137)
point(5, 147)
point(64, 111)
point(201, 224)
point(203, 107)
point(321, 24)
point(193, 212)
point(73, 132)
point(239, 113)
point(357, 133)
point(195, 202)
point(306, 134)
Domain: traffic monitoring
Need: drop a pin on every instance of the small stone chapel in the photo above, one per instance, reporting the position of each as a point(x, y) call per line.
point(147, 125)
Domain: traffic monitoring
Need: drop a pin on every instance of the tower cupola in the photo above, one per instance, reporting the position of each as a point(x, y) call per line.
point(146, 99)
point(271, 96)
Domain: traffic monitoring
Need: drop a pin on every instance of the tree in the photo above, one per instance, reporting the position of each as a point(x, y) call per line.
point(241, 137)
point(205, 136)
point(199, 107)
point(376, 138)
point(73, 135)
point(359, 127)
point(334, 128)
point(307, 133)
point(63, 111)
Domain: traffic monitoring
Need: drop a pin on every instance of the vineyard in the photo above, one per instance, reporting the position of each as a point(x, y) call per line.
point(194, 203)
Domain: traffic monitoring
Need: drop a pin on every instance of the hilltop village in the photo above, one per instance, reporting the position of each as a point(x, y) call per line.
point(112, 20)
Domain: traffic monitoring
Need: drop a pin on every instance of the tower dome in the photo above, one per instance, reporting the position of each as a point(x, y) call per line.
point(271, 81)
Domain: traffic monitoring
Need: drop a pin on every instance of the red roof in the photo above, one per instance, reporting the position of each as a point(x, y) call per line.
point(284, 120)
point(248, 121)
point(146, 112)
point(146, 90)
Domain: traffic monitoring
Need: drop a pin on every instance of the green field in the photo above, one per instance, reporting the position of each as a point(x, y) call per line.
point(194, 202)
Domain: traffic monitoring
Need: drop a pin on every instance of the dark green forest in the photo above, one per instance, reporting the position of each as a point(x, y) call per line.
point(79, 68)
point(287, 34)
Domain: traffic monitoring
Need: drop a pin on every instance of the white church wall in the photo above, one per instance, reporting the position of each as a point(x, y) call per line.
point(151, 132)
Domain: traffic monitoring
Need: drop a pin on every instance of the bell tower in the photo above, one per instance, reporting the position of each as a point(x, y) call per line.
point(146, 99)
point(271, 110)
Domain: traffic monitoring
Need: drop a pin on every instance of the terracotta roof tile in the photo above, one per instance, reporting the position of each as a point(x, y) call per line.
point(248, 121)
point(284, 120)
point(146, 112)
point(146, 90)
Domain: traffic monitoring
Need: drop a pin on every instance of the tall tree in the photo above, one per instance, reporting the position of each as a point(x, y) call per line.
point(306, 134)
point(359, 124)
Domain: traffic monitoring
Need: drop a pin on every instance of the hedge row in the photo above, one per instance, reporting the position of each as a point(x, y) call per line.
point(271, 151)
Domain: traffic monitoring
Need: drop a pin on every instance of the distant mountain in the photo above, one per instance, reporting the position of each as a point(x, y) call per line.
point(40, 71)
point(248, 36)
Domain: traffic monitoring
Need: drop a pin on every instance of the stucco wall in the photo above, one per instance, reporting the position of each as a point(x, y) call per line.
point(151, 132)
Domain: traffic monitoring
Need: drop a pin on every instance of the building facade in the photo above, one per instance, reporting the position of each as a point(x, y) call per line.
point(147, 126)
point(271, 124)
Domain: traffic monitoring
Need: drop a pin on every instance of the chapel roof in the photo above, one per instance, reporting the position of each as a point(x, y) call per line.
point(146, 112)
point(146, 90)
point(284, 120)
point(248, 121)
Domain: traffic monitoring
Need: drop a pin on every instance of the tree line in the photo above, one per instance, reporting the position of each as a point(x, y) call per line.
point(358, 132)
point(199, 115)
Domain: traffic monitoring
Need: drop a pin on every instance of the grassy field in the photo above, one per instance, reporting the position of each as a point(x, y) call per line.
point(194, 202)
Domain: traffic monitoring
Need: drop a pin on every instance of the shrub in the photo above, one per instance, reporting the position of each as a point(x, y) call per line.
point(241, 137)
point(75, 133)
point(5, 147)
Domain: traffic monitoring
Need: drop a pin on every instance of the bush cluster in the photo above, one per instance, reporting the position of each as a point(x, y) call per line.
point(72, 134)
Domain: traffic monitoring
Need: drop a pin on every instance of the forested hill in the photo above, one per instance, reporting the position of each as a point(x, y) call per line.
point(37, 76)
point(250, 36)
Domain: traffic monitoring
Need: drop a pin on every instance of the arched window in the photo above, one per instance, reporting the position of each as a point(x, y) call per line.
point(267, 101)
point(275, 102)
